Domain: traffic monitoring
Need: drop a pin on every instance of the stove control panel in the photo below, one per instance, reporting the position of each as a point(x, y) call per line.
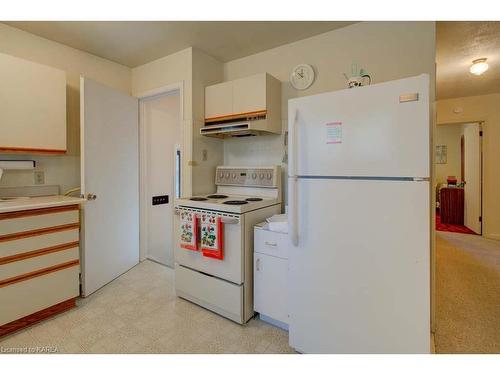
point(258, 177)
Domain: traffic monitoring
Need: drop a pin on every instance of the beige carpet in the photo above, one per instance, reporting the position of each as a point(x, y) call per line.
point(467, 294)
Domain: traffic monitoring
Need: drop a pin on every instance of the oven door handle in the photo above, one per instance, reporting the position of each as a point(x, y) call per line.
point(230, 220)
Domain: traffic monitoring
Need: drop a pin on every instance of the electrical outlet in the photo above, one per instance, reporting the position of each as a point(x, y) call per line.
point(204, 155)
point(39, 178)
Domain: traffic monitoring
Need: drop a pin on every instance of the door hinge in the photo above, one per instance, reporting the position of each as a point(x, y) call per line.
point(480, 133)
point(480, 219)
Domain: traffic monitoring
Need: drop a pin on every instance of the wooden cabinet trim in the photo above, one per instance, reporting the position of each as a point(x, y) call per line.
point(236, 116)
point(37, 317)
point(38, 273)
point(38, 211)
point(29, 150)
point(38, 232)
point(39, 252)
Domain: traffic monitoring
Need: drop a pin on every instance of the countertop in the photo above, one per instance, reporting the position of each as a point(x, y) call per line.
point(38, 202)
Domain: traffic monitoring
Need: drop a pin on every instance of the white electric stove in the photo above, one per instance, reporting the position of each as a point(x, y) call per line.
point(244, 197)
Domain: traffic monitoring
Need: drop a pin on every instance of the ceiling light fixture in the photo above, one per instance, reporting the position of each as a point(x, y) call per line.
point(479, 66)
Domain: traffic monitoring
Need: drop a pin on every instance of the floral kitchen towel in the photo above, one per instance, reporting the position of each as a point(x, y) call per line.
point(189, 232)
point(211, 236)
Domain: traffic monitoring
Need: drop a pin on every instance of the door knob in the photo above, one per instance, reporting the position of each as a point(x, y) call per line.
point(91, 197)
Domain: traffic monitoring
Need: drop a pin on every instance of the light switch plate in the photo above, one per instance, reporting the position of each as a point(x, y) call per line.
point(39, 177)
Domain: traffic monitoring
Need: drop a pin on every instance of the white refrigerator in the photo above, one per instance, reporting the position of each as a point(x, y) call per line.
point(359, 216)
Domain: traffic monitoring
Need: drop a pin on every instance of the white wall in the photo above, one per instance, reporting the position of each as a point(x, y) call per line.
point(387, 50)
point(206, 71)
point(60, 170)
point(449, 135)
point(168, 70)
point(196, 70)
point(481, 108)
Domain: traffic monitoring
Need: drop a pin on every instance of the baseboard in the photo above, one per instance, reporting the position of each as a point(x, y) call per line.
point(492, 236)
point(274, 322)
point(37, 317)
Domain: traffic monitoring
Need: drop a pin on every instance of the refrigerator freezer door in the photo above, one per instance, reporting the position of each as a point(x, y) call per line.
point(359, 276)
point(366, 131)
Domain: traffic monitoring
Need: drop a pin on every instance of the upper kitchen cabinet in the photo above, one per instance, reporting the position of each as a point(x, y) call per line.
point(32, 107)
point(246, 106)
point(249, 94)
point(219, 100)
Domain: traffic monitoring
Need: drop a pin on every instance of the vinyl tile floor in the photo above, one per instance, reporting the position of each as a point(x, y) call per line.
point(139, 313)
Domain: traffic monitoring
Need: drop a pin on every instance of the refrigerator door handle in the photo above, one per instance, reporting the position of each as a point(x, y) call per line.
point(292, 208)
point(292, 182)
point(292, 147)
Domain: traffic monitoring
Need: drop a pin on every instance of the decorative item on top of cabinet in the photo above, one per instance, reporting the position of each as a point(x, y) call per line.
point(32, 107)
point(243, 107)
point(358, 77)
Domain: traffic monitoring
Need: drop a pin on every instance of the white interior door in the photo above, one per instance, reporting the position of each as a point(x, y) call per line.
point(110, 171)
point(472, 177)
point(160, 119)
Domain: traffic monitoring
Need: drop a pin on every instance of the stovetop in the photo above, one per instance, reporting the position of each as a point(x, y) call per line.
point(239, 190)
point(227, 203)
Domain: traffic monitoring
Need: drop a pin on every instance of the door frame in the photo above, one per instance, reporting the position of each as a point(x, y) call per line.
point(481, 125)
point(143, 147)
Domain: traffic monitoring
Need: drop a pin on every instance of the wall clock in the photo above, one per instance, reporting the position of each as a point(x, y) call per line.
point(302, 76)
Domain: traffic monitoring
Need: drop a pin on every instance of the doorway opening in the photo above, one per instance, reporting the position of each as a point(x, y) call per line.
point(160, 153)
point(459, 178)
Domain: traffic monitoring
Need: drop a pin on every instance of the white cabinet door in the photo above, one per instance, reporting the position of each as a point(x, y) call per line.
point(32, 107)
point(110, 171)
point(219, 100)
point(249, 94)
point(270, 286)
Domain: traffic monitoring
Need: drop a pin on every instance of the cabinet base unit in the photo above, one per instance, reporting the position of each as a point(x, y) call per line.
point(39, 264)
point(271, 276)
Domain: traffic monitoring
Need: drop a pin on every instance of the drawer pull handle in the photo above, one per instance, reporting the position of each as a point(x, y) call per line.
point(230, 220)
point(271, 243)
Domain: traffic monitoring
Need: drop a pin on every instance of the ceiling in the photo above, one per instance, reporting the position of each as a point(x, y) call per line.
point(136, 43)
point(457, 44)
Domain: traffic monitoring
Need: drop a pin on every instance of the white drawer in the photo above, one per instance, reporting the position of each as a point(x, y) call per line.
point(27, 297)
point(24, 221)
point(26, 244)
point(210, 292)
point(36, 263)
point(270, 243)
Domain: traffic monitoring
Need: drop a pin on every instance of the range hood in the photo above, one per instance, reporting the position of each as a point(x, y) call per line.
point(244, 107)
point(238, 127)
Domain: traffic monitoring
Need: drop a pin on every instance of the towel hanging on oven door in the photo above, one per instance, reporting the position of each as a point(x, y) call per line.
point(189, 230)
point(211, 236)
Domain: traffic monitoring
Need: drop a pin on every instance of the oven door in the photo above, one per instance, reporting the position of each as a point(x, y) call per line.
point(231, 267)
